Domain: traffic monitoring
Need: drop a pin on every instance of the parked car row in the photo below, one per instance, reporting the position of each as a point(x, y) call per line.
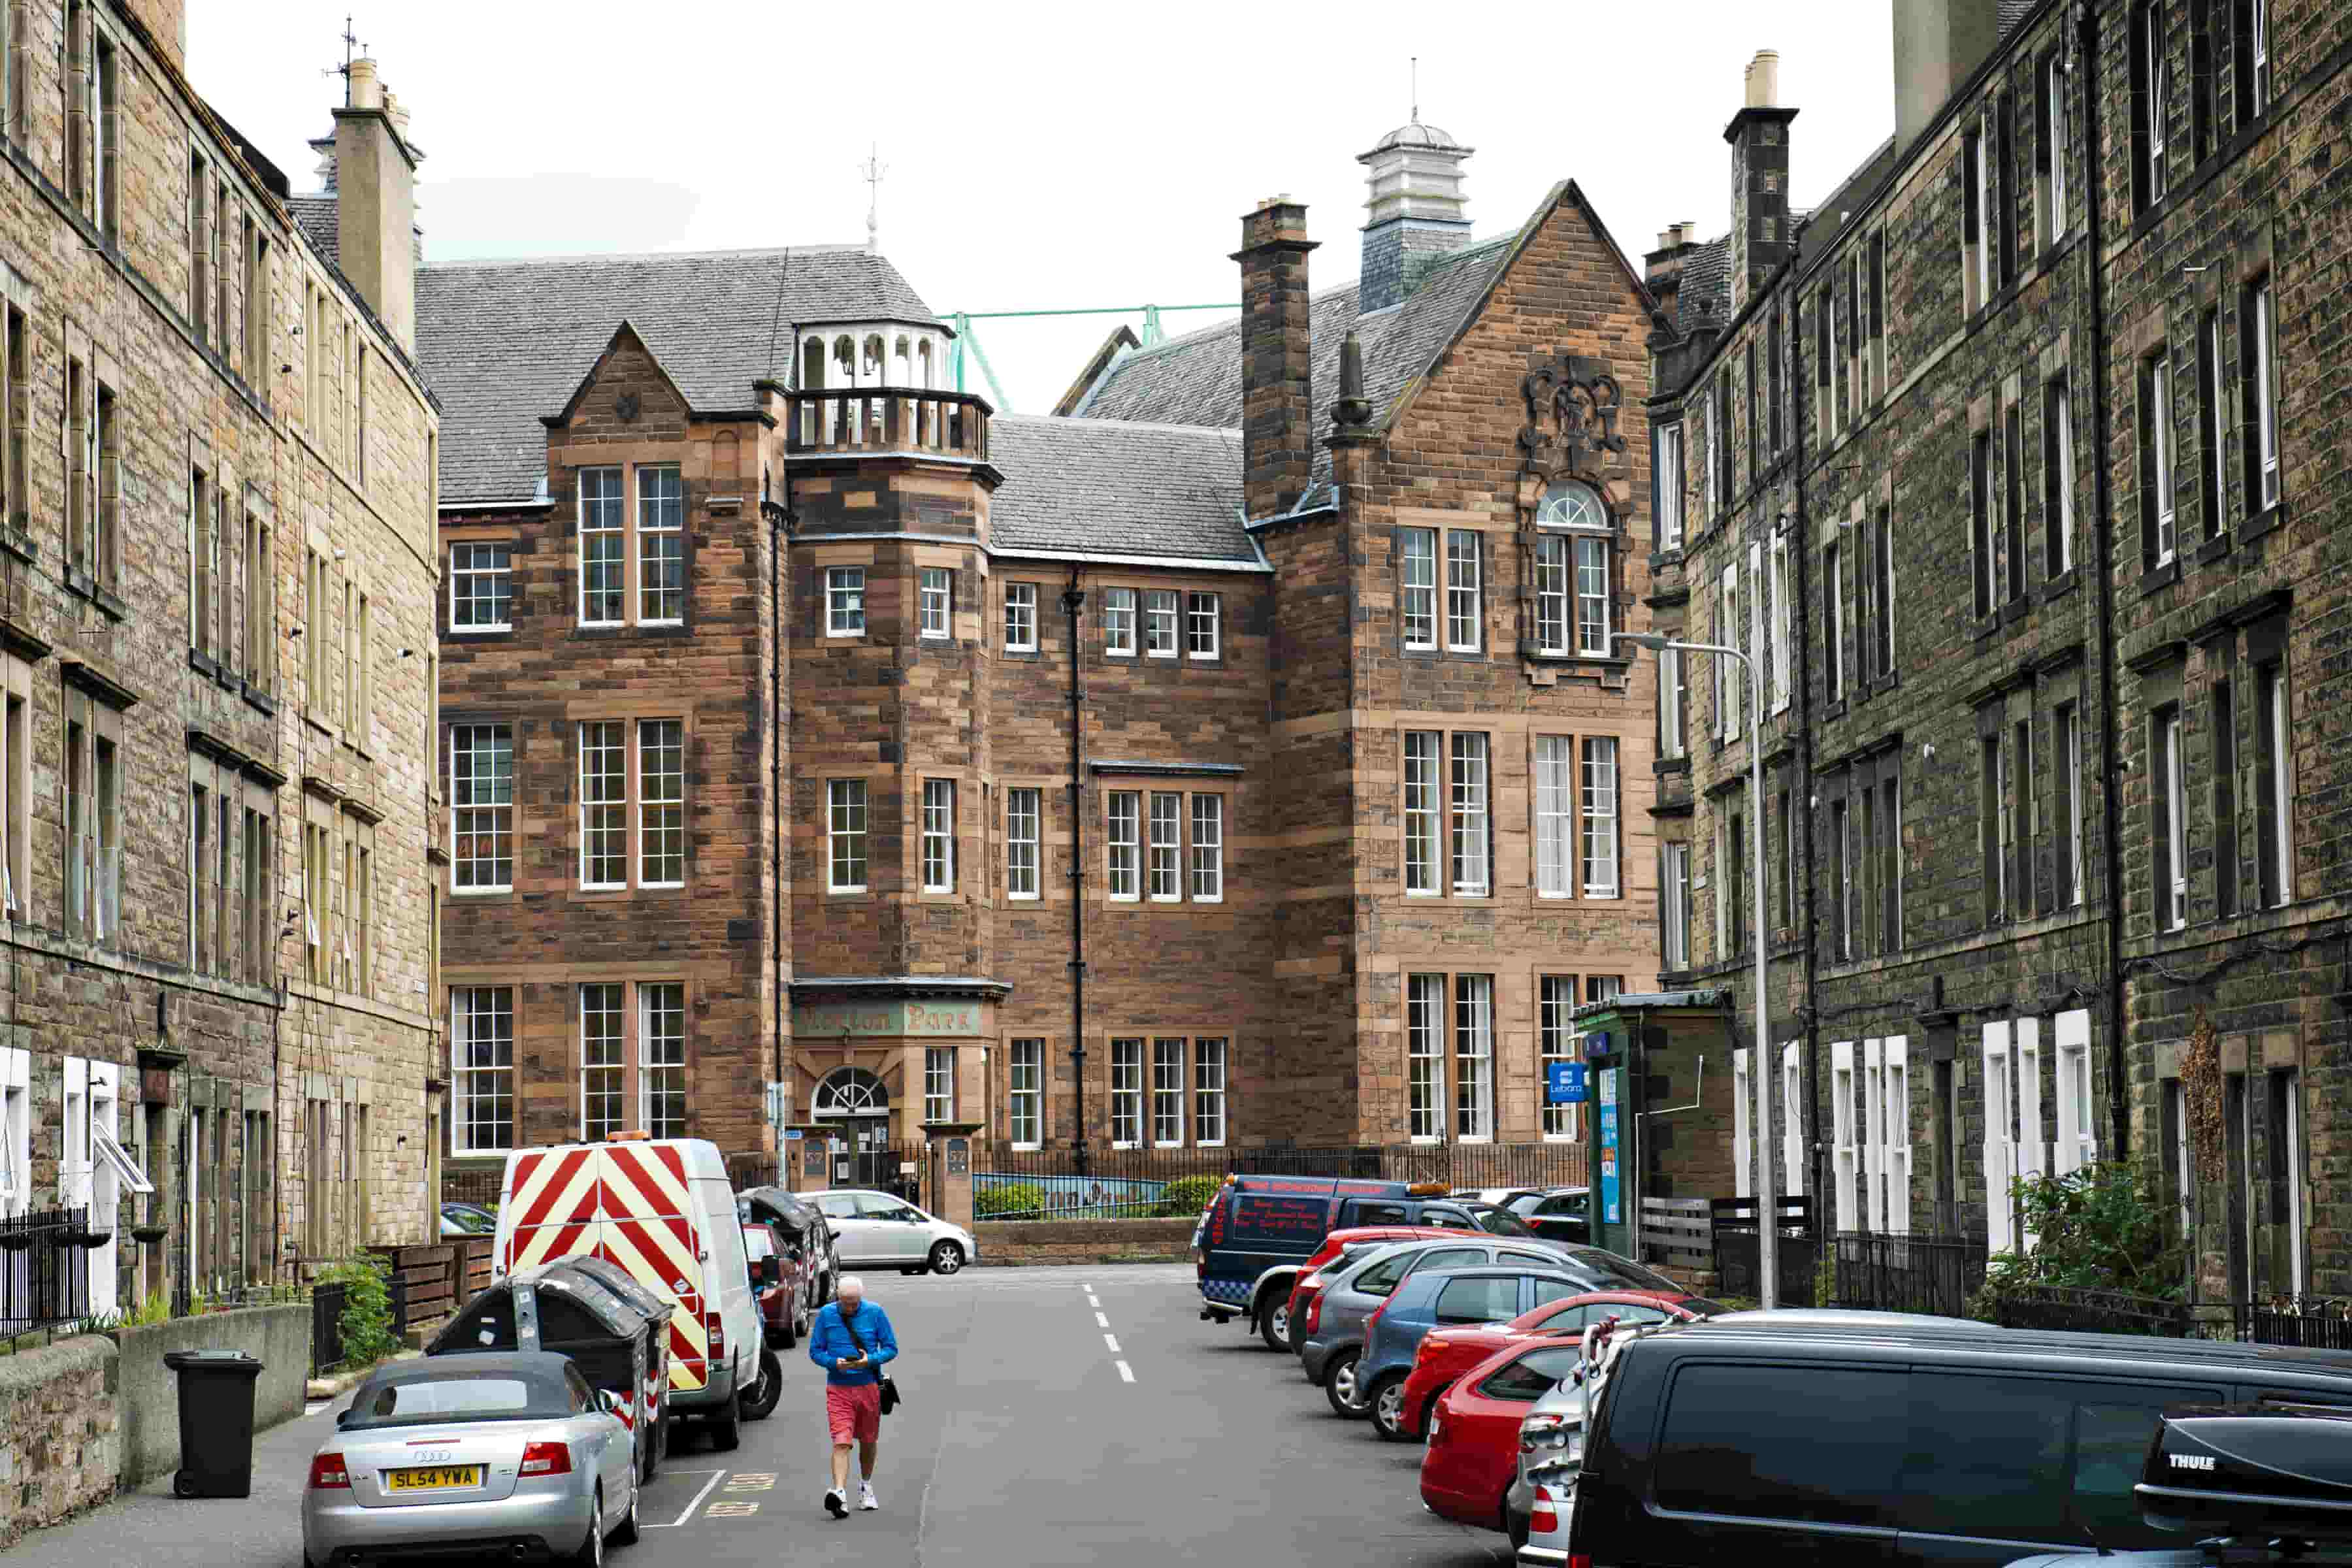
point(635, 1295)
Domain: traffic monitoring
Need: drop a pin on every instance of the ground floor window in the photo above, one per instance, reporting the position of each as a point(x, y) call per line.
point(1026, 1080)
point(632, 1058)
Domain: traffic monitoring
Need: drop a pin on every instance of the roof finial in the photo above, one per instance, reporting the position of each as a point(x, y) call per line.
point(873, 169)
point(1415, 116)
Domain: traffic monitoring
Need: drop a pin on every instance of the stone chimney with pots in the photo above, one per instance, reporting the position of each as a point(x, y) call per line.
point(375, 202)
point(1758, 135)
point(1277, 358)
point(1662, 270)
point(1938, 42)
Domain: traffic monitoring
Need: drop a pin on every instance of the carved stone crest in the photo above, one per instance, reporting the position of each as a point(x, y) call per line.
point(1572, 403)
point(626, 407)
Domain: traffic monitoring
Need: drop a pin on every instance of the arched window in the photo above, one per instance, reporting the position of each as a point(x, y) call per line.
point(850, 1091)
point(1573, 570)
point(812, 365)
point(869, 371)
point(923, 359)
point(844, 359)
point(901, 363)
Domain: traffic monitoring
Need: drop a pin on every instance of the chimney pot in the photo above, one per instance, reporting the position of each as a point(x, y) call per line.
point(1764, 79)
point(367, 92)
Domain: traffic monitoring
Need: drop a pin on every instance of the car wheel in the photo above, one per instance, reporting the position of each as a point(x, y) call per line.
point(592, 1551)
point(1273, 1324)
point(1339, 1385)
point(626, 1533)
point(1384, 1400)
point(726, 1431)
point(758, 1402)
point(947, 1258)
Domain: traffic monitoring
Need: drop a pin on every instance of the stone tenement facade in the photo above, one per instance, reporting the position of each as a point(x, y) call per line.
point(1238, 757)
point(2016, 475)
point(215, 588)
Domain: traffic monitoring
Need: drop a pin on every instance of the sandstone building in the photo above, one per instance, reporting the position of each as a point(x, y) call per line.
point(2011, 462)
point(1237, 757)
point(216, 581)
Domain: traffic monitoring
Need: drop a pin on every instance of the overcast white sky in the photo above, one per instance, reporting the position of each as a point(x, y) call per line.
point(1040, 155)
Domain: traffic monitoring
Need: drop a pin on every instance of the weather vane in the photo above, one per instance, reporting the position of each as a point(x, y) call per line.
point(873, 169)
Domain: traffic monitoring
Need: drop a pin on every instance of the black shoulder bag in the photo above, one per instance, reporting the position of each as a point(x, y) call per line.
point(889, 1386)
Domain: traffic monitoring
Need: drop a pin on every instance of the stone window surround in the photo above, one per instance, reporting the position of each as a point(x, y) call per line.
point(1042, 1093)
point(632, 716)
point(17, 709)
point(1579, 815)
point(490, 719)
point(635, 1108)
point(462, 1077)
point(1110, 782)
point(99, 721)
point(1047, 789)
point(451, 540)
point(1449, 1047)
point(1144, 1096)
point(630, 463)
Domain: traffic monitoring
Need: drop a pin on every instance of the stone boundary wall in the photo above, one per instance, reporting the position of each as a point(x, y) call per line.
point(61, 1440)
point(1013, 1243)
point(147, 1393)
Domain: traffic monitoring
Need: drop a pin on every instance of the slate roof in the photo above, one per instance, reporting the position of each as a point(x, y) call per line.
point(316, 215)
point(1705, 291)
point(1197, 379)
point(1112, 487)
point(502, 342)
point(2012, 12)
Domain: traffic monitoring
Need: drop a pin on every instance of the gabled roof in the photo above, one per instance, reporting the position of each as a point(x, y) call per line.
point(627, 332)
point(1116, 487)
point(503, 342)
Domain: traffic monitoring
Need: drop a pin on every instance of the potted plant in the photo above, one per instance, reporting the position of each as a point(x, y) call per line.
point(148, 1235)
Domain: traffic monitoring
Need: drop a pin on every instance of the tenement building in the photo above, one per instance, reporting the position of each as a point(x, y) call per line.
point(216, 584)
point(1237, 757)
point(2009, 462)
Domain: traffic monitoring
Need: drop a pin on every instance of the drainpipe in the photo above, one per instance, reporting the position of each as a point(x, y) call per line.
point(1800, 782)
point(1073, 599)
point(2086, 55)
point(779, 521)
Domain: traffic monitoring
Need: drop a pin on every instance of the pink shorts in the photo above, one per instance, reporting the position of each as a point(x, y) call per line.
point(853, 1411)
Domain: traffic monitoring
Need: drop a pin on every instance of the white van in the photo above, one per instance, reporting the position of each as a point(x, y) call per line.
point(662, 1209)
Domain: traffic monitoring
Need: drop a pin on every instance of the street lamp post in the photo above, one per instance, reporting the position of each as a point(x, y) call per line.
point(1768, 1245)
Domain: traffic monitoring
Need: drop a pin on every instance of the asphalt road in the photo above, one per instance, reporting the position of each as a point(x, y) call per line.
point(1052, 1416)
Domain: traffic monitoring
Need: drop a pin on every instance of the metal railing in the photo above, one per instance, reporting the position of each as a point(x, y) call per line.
point(2313, 1323)
point(887, 419)
point(1905, 1273)
point(1113, 1182)
point(44, 1268)
point(326, 1325)
point(2082, 1309)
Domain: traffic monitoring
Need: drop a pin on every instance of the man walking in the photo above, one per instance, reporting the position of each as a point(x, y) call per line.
point(852, 1341)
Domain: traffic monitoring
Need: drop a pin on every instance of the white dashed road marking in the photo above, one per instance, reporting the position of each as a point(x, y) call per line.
point(1112, 1343)
point(1125, 1372)
point(708, 1487)
point(1101, 1322)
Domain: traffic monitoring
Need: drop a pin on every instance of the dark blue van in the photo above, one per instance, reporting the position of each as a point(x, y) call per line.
point(1262, 1223)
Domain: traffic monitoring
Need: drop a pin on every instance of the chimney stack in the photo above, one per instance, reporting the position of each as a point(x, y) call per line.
point(1938, 42)
point(375, 202)
point(1758, 135)
point(1277, 358)
point(1416, 211)
point(166, 22)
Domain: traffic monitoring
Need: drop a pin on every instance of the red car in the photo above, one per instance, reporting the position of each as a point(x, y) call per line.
point(1308, 1283)
point(1474, 1438)
point(1446, 1354)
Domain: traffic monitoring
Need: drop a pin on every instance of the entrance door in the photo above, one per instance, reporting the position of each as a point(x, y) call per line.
point(873, 1163)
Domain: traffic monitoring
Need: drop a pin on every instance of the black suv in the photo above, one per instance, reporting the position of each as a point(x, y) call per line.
point(1757, 1444)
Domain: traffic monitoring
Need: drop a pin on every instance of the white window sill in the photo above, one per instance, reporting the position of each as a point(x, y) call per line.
point(1115, 1145)
point(1602, 893)
point(936, 890)
point(1125, 898)
point(1475, 1137)
point(1021, 647)
point(1209, 1144)
point(1026, 1148)
point(456, 892)
point(1168, 653)
point(859, 632)
point(1167, 899)
point(604, 886)
point(1202, 657)
point(1561, 1138)
point(1179, 1144)
point(480, 631)
point(1547, 893)
point(600, 626)
point(858, 887)
point(935, 637)
point(1208, 897)
point(1464, 648)
point(1118, 653)
point(1423, 893)
point(1021, 898)
point(1421, 647)
point(659, 886)
point(664, 621)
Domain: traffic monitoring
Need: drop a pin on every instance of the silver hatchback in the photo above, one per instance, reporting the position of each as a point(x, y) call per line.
point(1331, 1340)
point(510, 1453)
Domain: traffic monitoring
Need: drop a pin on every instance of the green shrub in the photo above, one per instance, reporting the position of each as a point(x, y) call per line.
point(1013, 1200)
point(369, 1332)
point(1186, 1196)
point(2095, 1229)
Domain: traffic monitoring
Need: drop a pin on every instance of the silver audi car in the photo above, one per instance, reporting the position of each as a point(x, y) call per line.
point(511, 1453)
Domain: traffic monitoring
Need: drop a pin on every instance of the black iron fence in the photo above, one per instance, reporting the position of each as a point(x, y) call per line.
point(327, 1326)
point(1109, 1183)
point(2313, 1323)
point(1931, 1274)
point(2081, 1309)
point(44, 1268)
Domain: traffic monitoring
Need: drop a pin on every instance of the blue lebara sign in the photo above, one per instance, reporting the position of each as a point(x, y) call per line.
point(1612, 1204)
point(1564, 1083)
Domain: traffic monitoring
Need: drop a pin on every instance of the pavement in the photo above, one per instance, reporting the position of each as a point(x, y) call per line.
point(1052, 1416)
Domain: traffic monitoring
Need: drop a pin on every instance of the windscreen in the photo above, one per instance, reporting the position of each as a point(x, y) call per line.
point(758, 1242)
point(457, 1398)
point(1498, 1221)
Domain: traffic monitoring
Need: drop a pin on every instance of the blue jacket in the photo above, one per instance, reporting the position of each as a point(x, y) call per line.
point(829, 1343)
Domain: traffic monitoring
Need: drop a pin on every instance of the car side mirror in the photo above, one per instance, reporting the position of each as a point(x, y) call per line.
point(608, 1401)
point(832, 1233)
point(343, 1420)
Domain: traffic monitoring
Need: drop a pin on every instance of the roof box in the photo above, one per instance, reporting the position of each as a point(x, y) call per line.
point(2275, 1470)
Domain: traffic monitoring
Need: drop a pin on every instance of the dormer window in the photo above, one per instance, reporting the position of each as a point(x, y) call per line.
point(1572, 572)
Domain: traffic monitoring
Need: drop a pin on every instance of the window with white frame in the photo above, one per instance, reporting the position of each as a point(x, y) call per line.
point(1674, 703)
point(1782, 608)
point(1167, 1094)
point(661, 803)
point(939, 1083)
point(2172, 821)
point(1592, 598)
point(2274, 779)
point(1167, 845)
point(2077, 1111)
point(1727, 670)
point(661, 546)
point(1126, 1093)
point(1834, 620)
point(1465, 609)
point(1203, 630)
point(936, 587)
point(2258, 356)
point(1473, 837)
point(1123, 842)
point(1886, 1135)
point(1025, 1092)
point(938, 835)
point(481, 587)
point(2158, 433)
point(1555, 815)
point(603, 1060)
point(1422, 814)
point(1424, 1032)
point(604, 803)
point(2256, 92)
point(2054, 149)
point(481, 808)
point(845, 836)
point(1021, 618)
point(1792, 1121)
point(1474, 1057)
point(1208, 848)
point(1118, 622)
point(1601, 875)
point(1552, 595)
point(1674, 905)
point(845, 601)
point(1024, 841)
point(1417, 585)
point(1160, 607)
point(1666, 471)
point(604, 549)
point(1207, 1093)
point(1845, 1149)
point(482, 1068)
point(1556, 1009)
point(2152, 84)
point(1743, 1123)
point(661, 1045)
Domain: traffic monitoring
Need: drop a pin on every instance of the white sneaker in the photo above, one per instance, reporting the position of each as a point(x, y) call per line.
point(866, 1498)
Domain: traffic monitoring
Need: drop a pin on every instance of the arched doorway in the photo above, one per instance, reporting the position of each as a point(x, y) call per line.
point(858, 1102)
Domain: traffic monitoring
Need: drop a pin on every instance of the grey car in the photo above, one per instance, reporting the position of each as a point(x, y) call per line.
point(510, 1453)
point(1329, 1349)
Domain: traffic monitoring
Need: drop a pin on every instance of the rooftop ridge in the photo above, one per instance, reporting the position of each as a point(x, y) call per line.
point(601, 258)
point(1074, 422)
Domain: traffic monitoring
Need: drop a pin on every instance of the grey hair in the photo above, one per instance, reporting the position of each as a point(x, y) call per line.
point(848, 1283)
